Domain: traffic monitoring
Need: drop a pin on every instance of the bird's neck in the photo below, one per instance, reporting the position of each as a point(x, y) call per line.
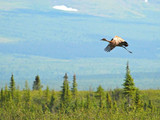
point(106, 40)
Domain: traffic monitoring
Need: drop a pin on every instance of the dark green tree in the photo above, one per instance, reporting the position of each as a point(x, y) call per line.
point(129, 87)
point(7, 94)
point(37, 83)
point(150, 106)
point(100, 95)
point(138, 102)
point(2, 95)
point(108, 101)
point(76, 104)
point(88, 102)
point(12, 86)
point(74, 87)
point(27, 95)
point(66, 93)
point(117, 94)
point(17, 95)
point(145, 106)
point(115, 106)
point(52, 101)
point(82, 105)
point(47, 94)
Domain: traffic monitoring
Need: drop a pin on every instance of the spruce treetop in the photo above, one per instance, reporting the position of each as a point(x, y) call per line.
point(129, 86)
point(37, 83)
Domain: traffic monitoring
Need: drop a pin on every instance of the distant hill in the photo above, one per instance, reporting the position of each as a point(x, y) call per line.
point(91, 72)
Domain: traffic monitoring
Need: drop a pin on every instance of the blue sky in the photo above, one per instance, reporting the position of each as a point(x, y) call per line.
point(78, 23)
point(71, 30)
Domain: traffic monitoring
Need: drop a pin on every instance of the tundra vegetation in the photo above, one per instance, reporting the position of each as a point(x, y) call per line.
point(126, 103)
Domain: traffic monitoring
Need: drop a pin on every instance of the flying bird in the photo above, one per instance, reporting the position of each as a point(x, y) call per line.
point(116, 41)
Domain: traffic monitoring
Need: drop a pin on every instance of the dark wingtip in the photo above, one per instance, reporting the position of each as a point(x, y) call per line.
point(125, 44)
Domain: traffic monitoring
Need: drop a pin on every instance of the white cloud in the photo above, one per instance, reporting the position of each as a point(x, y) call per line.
point(146, 1)
point(64, 8)
point(7, 40)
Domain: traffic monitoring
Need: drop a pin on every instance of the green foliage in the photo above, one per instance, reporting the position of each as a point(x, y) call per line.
point(100, 95)
point(83, 107)
point(115, 106)
point(108, 101)
point(47, 94)
point(100, 92)
point(66, 93)
point(100, 104)
point(2, 95)
point(117, 94)
point(17, 96)
point(88, 102)
point(37, 83)
point(74, 87)
point(150, 106)
point(138, 102)
point(12, 86)
point(145, 106)
point(27, 95)
point(52, 101)
point(129, 87)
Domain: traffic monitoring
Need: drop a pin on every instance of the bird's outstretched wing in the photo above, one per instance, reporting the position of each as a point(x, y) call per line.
point(109, 48)
point(117, 40)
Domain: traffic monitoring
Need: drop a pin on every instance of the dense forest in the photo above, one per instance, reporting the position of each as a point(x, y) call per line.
point(127, 103)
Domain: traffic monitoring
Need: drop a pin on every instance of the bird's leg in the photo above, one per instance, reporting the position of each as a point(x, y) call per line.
point(127, 49)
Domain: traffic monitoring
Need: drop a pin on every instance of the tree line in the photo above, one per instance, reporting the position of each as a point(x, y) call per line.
point(69, 102)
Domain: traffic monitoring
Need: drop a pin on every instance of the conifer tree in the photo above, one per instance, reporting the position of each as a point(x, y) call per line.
point(27, 94)
point(76, 104)
point(9, 97)
point(129, 87)
point(115, 106)
point(108, 101)
point(17, 95)
point(37, 83)
point(6, 92)
point(2, 95)
point(52, 101)
point(82, 104)
point(137, 99)
point(74, 87)
point(117, 94)
point(88, 102)
point(66, 93)
point(12, 86)
point(6, 89)
point(150, 105)
point(145, 106)
point(47, 93)
point(100, 95)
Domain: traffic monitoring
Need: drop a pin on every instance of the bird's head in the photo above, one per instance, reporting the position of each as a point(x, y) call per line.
point(103, 39)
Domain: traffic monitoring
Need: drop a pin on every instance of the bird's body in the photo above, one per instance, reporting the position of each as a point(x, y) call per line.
point(116, 41)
